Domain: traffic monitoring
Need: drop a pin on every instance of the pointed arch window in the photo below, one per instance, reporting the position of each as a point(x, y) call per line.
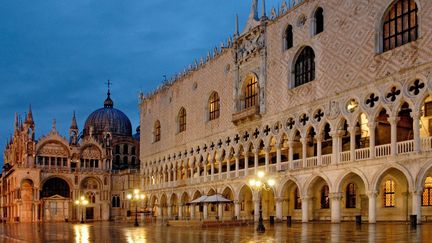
point(157, 131)
point(182, 120)
point(400, 24)
point(325, 200)
point(214, 106)
point(304, 70)
point(250, 92)
point(351, 196)
point(427, 192)
point(389, 193)
point(319, 21)
point(289, 38)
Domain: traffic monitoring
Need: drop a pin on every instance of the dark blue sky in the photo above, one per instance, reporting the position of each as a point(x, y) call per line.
point(57, 54)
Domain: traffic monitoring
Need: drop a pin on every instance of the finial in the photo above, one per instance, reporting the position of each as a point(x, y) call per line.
point(263, 13)
point(54, 125)
point(108, 102)
point(254, 10)
point(16, 124)
point(29, 117)
point(74, 124)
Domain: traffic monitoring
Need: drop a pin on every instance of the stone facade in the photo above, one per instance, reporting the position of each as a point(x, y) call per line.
point(41, 179)
point(355, 140)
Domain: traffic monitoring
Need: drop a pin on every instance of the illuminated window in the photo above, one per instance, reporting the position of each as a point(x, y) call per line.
point(304, 69)
point(389, 193)
point(251, 92)
point(427, 192)
point(214, 106)
point(297, 201)
point(325, 202)
point(351, 196)
point(400, 24)
point(182, 120)
point(157, 132)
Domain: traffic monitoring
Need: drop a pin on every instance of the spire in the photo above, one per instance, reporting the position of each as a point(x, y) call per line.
point(236, 26)
point(254, 10)
point(16, 124)
point(263, 13)
point(74, 122)
point(108, 102)
point(54, 126)
point(29, 118)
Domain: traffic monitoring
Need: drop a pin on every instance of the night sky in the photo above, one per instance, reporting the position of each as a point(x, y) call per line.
point(58, 54)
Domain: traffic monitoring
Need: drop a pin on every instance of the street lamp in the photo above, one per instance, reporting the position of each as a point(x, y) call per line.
point(82, 202)
point(136, 196)
point(260, 183)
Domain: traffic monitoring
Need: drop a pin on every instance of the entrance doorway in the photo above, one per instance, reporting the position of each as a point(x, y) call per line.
point(89, 213)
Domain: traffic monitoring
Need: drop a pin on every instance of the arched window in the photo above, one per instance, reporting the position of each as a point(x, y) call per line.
point(389, 193)
point(182, 120)
point(133, 151)
point(251, 92)
point(325, 202)
point(117, 159)
point(117, 149)
point(91, 197)
point(289, 38)
point(351, 196)
point(400, 24)
point(297, 201)
point(157, 131)
point(427, 192)
point(319, 21)
point(214, 106)
point(125, 160)
point(125, 149)
point(304, 69)
point(115, 201)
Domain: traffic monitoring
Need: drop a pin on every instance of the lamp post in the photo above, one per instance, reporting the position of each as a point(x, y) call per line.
point(258, 184)
point(81, 202)
point(136, 196)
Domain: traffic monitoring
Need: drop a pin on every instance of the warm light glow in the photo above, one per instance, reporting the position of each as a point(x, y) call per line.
point(77, 202)
point(261, 174)
point(136, 191)
point(252, 182)
point(82, 233)
point(85, 202)
point(82, 198)
point(258, 183)
point(142, 196)
point(129, 196)
point(271, 182)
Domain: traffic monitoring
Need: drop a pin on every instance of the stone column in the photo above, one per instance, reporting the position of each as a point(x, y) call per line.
point(192, 211)
point(267, 162)
point(180, 211)
point(159, 211)
point(256, 209)
point(169, 211)
point(279, 215)
point(278, 157)
point(205, 171)
point(393, 124)
point(246, 161)
point(372, 126)
point(237, 165)
point(416, 204)
point(305, 209)
point(352, 130)
point(416, 130)
point(319, 148)
point(256, 159)
point(290, 153)
point(335, 207)
point(304, 152)
point(372, 207)
point(205, 211)
point(237, 209)
point(220, 169)
point(212, 170)
point(220, 211)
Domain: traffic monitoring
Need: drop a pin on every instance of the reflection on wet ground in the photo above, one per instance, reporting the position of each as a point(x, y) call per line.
point(125, 232)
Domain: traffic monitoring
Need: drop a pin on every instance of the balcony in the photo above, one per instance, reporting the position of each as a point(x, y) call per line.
point(247, 114)
point(345, 157)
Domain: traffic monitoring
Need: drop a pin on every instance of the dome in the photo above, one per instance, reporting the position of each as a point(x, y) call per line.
point(107, 119)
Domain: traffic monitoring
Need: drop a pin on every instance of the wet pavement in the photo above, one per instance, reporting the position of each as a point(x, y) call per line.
point(126, 232)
